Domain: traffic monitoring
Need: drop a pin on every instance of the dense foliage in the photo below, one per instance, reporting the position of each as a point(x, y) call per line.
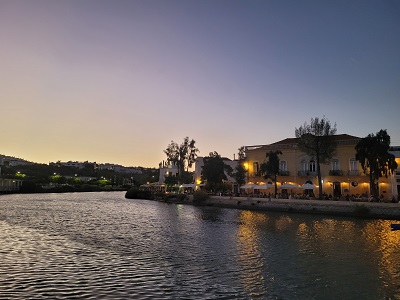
point(240, 172)
point(376, 161)
point(317, 140)
point(214, 172)
point(183, 155)
point(270, 168)
point(55, 178)
point(199, 197)
point(137, 193)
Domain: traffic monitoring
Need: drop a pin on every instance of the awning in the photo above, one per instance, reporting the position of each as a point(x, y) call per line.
point(264, 186)
point(308, 186)
point(289, 186)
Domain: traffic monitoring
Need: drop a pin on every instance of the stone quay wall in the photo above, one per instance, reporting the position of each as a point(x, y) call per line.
point(340, 208)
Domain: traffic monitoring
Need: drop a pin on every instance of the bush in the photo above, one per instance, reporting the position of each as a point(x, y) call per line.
point(199, 197)
point(88, 188)
point(62, 189)
point(30, 187)
point(182, 197)
point(168, 197)
point(159, 195)
point(136, 193)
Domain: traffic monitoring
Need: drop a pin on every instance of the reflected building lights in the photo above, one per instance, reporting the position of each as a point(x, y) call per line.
point(250, 255)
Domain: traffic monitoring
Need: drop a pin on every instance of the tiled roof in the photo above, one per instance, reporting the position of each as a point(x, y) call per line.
point(292, 141)
point(338, 137)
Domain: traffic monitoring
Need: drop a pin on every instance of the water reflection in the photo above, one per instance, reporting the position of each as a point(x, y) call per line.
point(251, 257)
point(384, 244)
point(100, 245)
point(334, 253)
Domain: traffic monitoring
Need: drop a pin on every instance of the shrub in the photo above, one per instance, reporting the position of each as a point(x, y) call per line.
point(62, 189)
point(88, 188)
point(169, 196)
point(182, 197)
point(199, 197)
point(136, 193)
point(159, 195)
point(30, 187)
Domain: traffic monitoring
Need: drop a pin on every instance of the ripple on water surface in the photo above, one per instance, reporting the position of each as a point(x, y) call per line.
point(102, 246)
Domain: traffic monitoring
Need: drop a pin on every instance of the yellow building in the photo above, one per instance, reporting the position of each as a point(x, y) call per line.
point(342, 176)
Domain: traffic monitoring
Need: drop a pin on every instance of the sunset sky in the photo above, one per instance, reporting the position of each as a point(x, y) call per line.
point(116, 81)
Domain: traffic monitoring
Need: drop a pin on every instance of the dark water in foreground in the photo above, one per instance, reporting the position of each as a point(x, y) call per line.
point(102, 246)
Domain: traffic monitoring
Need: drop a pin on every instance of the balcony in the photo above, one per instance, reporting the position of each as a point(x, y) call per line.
point(307, 173)
point(255, 174)
point(353, 173)
point(283, 173)
point(336, 172)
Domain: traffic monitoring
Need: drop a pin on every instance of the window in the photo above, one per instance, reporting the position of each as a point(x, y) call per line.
point(312, 166)
point(353, 164)
point(304, 166)
point(335, 165)
point(282, 165)
point(255, 168)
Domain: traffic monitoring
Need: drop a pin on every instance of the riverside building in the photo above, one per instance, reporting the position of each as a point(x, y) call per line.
point(342, 176)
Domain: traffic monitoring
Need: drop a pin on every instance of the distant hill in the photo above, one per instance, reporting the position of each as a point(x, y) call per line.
point(6, 160)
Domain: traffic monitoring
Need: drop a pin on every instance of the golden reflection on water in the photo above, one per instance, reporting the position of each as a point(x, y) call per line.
point(385, 244)
point(373, 241)
point(364, 244)
point(283, 223)
point(250, 256)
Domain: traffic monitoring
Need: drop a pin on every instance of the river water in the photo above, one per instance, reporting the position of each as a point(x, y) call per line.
point(103, 246)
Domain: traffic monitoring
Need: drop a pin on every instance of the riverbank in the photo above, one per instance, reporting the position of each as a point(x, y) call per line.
point(65, 189)
point(327, 207)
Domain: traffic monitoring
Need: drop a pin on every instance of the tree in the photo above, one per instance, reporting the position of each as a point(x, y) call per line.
point(183, 156)
point(317, 140)
point(187, 177)
point(270, 168)
point(240, 171)
point(57, 178)
point(214, 171)
point(372, 153)
point(170, 181)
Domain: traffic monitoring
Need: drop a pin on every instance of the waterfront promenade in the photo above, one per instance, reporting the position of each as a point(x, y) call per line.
point(329, 207)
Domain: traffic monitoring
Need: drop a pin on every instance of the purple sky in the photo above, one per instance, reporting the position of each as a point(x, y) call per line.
point(116, 81)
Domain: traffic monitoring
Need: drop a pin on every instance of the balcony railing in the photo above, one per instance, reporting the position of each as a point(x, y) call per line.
point(255, 174)
point(353, 172)
point(284, 173)
point(306, 173)
point(336, 172)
